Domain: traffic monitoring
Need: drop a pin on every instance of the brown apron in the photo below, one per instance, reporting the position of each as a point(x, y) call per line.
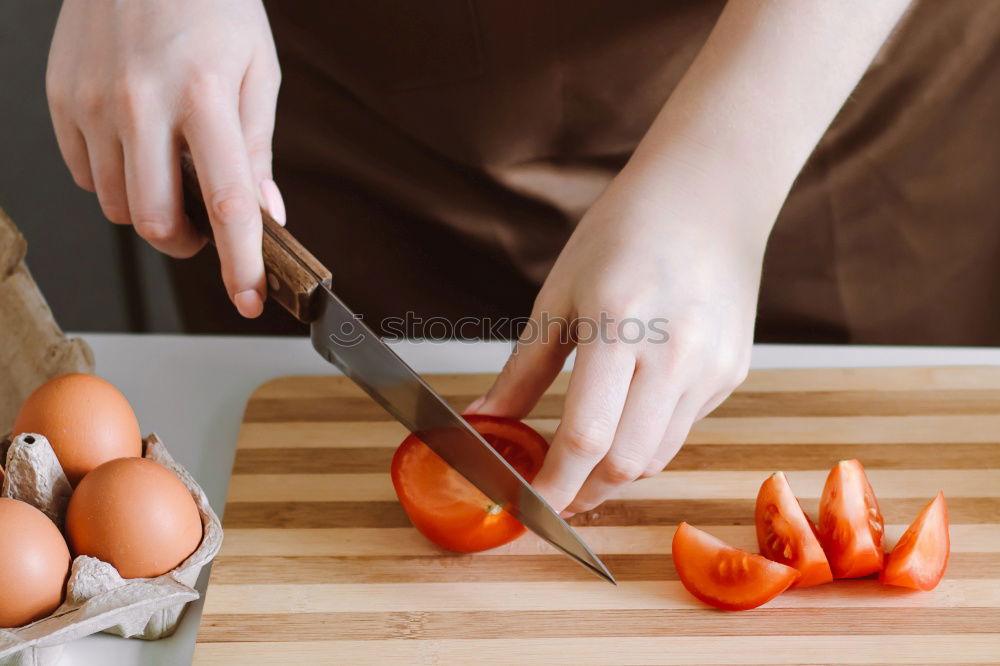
point(436, 155)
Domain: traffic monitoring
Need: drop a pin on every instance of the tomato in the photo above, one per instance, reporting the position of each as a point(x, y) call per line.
point(786, 535)
point(851, 528)
point(921, 555)
point(449, 510)
point(726, 577)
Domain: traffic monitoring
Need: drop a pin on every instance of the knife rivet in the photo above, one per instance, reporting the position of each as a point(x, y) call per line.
point(272, 282)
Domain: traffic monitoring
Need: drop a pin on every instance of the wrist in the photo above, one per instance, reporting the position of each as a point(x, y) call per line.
point(694, 182)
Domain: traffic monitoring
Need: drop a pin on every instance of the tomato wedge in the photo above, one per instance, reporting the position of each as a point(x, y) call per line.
point(921, 555)
point(786, 535)
point(449, 510)
point(726, 577)
point(851, 528)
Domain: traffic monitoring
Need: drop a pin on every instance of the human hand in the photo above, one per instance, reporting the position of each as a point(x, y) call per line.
point(680, 235)
point(643, 254)
point(132, 84)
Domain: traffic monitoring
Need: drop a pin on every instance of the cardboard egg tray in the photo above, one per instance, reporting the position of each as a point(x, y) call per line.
point(32, 350)
point(97, 598)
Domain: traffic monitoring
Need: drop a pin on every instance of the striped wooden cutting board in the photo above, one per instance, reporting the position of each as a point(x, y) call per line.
point(320, 565)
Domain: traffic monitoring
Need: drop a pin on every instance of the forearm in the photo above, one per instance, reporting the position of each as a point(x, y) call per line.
point(759, 96)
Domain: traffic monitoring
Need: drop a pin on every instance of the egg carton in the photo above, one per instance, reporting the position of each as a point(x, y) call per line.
point(98, 599)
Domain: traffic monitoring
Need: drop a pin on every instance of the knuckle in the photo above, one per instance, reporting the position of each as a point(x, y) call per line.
point(233, 205)
point(153, 226)
point(89, 101)
point(588, 441)
point(685, 347)
point(133, 97)
point(58, 99)
point(273, 78)
point(620, 469)
point(83, 181)
point(580, 506)
point(116, 212)
point(259, 148)
point(202, 86)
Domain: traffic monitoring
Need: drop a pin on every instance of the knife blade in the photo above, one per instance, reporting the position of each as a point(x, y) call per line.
point(344, 340)
point(301, 284)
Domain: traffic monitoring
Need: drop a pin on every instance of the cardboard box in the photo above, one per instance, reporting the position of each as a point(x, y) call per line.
point(32, 347)
point(32, 350)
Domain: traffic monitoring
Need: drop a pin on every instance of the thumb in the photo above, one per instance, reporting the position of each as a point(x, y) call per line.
point(535, 362)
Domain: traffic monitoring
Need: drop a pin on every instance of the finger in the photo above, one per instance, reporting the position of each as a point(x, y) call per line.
point(713, 403)
point(258, 98)
point(215, 138)
point(648, 408)
point(152, 180)
point(537, 359)
point(594, 400)
point(74, 152)
point(107, 169)
point(677, 431)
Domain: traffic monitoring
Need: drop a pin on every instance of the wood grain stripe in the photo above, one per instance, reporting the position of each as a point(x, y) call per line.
point(677, 485)
point(590, 650)
point(761, 380)
point(919, 429)
point(613, 513)
point(575, 595)
point(961, 428)
point(357, 541)
point(228, 570)
point(622, 623)
point(708, 457)
point(739, 404)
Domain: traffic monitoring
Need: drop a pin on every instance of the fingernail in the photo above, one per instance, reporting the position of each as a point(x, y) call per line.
point(272, 200)
point(475, 404)
point(249, 303)
point(566, 514)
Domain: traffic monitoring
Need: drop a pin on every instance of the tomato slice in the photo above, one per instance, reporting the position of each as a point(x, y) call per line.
point(786, 535)
point(921, 555)
point(449, 510)
point(851, 528)
point(726, 577)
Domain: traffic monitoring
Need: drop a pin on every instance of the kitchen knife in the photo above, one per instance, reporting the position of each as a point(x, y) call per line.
point(301, 284)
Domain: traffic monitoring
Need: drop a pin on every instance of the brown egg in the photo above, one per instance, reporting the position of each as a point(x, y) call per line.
point(134, 514)
point(34, 564)
point(86, 420)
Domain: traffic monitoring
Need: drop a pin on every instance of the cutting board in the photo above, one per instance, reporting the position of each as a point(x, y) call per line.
point(320, 565)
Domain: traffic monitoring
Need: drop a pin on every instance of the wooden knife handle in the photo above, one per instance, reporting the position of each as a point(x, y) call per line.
point(293, 274)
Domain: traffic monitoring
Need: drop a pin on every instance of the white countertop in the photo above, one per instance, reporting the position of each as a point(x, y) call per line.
point(191, 391)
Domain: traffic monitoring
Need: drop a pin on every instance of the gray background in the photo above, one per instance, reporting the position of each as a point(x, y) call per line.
point(95, 275)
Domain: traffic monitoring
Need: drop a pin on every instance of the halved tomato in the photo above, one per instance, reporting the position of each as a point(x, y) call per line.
point(786, 535)
point(851, 528)
point(921, 555)
point(726, 577)
point(449, 510)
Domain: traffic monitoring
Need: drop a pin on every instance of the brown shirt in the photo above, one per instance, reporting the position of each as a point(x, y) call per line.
point(436, 155)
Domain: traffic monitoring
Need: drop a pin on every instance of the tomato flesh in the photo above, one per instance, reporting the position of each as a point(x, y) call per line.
point(921, 556)
point(726, 577)
point(851, 527)
point(786, 535)
point(449, 510)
